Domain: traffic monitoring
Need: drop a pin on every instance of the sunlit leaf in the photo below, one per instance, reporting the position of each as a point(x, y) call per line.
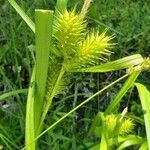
point(144, 95)
point(122, 63)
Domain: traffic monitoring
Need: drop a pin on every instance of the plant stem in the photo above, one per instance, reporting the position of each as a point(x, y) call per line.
point(48, 104)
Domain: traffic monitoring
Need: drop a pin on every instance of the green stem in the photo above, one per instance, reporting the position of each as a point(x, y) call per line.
point(48, 104)
point(77, 107)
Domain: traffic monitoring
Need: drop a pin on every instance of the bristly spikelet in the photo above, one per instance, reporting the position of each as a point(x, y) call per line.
point(110, 122)
point(94, 46)
point(141, 67)
point(53, 75)
point(68, 31)
point(116, 127)
point(92, 50)
point(146, 64)
point(126, 126)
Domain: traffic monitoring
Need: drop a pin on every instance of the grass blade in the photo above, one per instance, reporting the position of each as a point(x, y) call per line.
point(127, 85)
point(144, 95)
point(9, 144)
point(122, 63)
point(12, 93)
point(23, 15)
point(43, 33)
point(29, 127)
point(103, 143)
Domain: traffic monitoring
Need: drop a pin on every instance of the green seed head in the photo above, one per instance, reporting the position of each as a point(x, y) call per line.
point(69, 29)
point(110, 122)
point(126, 126)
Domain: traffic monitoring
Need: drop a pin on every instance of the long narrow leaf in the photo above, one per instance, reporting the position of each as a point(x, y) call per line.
point(23, 15)
point(29, 127)
point(122, 63)
point(13, 93)
point(43, 34)
point(144, 95)
point(9, 143)
point(127, 85)
point(103, 143)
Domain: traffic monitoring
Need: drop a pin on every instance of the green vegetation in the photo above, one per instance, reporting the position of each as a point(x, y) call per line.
point(51, 69)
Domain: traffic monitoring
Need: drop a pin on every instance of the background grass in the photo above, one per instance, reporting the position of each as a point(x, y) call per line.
point(128, 20)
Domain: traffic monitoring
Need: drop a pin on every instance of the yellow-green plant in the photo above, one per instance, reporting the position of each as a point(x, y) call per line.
point(65, 45)
point(114, 131)
point(113, 126)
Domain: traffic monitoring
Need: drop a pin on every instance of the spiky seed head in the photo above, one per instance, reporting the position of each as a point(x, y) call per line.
point(126, 126)
point(146, 63)
point(94, 44)
point(110, 122)
point(144, 66)
point(92, 50)
point(68, 31)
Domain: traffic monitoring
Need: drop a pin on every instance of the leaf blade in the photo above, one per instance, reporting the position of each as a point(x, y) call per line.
point(43, 34)
point(122, 63)
point(23, 15)
point(29, 124)
point(144, 95)
point(127, 85)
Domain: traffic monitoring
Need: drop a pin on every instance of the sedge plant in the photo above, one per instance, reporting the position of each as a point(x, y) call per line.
point(65, 45)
